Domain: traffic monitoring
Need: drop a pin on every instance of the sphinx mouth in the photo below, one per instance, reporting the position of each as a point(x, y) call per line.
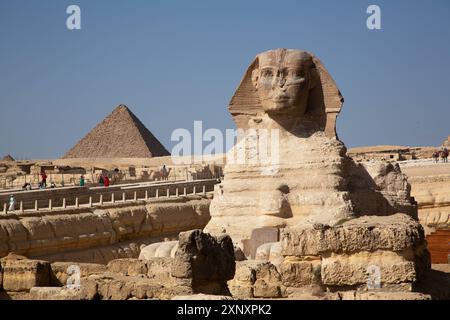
point(279, 99)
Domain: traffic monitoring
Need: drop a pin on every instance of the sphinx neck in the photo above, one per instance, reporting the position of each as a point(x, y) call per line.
point(297, 126)
point(276, 122)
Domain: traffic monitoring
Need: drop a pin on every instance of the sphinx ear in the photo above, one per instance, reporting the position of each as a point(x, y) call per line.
point(255, 77)
point(314, 77)
point(325, 98)
point(245, 102)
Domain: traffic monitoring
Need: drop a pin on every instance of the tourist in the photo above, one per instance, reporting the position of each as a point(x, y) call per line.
point(81, 181)
point(12, 203)
point(26, 186)
point(106, 181)
point(44, 179)
point(444, 154)
point(100, 180)
point(164, 173)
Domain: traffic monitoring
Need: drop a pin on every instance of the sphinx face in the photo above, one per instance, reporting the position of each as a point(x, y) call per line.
point(282, 81)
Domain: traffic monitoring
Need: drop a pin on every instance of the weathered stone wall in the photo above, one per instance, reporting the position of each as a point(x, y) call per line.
point(433, 196)
point(202, 264)
point(99, 235)
point(431, 188)
point(311, 263)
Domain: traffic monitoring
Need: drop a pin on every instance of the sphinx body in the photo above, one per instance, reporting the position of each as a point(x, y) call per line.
point(305, 177)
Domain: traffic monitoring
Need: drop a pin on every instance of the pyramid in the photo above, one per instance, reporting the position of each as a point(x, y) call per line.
point(119, 135)
point(8, 157)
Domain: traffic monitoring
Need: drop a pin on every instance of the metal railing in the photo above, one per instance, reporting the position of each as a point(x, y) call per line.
point(125, 194)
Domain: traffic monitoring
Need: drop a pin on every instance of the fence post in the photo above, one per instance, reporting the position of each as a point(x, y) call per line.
point(77, 204)
point(50, 204)
point(5, 208)
point(194, 191)
point(90, 201)
point(21, 207)
point(157, 193)
point(123, 197)
point(101, 199)
point(184, 191)
point(176, 192)
point(112, 198)
point(204, 189)
point(135, 196)
point(64, 203)
point(36, 205)
point(146, 194)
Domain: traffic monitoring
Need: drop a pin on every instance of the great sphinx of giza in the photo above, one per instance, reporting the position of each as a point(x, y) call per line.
point(312, 181)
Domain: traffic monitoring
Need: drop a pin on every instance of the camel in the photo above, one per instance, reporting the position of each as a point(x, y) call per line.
point(444, 155)
point(435, 156)
point(160, 175)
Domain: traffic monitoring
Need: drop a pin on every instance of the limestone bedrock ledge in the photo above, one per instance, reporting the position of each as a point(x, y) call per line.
point(87, 235)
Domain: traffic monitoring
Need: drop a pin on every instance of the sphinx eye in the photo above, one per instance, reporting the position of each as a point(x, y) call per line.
point(267, 73)
point(296, 73)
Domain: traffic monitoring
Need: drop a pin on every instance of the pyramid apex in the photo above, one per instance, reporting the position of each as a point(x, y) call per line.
point(8, 157)
point(121, 107)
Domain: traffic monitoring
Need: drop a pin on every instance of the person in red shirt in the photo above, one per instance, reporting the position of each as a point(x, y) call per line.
point(106, 181)
point(44, 179)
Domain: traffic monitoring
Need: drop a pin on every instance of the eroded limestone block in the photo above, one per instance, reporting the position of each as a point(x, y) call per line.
point(270, 252)
point(297, 272)
point(128, 267)
point(396, 233)
point(167, 249)
point(59, 271)
point(127, 220)
point(255, 279)
point(263, 251)
point(353, 270)
point(85, 236)
point(111, 286)
point(160, 250)
point(167, 217)
point(148, 252)
point(59, 293)
point(160, 269)
point(203, 257)
point(21, 274)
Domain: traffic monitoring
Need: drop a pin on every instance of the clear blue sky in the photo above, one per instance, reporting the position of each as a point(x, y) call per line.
point(173, 62)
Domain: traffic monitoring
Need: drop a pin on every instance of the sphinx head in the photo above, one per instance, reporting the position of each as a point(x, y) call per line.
point(288, 84)
point(282, 80)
